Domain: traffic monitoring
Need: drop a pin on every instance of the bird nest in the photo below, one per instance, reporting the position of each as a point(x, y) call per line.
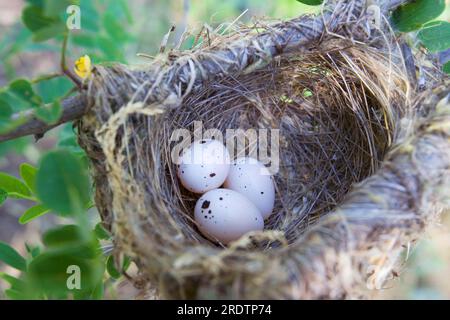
point(363, 157)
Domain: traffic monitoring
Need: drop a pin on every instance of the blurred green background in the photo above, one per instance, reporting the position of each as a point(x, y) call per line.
point(116, 30)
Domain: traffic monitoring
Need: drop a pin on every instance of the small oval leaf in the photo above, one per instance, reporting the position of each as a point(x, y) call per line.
point(62, 183)
point(23, 90)
point(33, 213)
point(28, 174)
point(11, 257)
point(435, 36)
point(411, 16)
point(101, 232)
point(111, 268)
point(14, 187)
point(311, 2)
point(62, 236)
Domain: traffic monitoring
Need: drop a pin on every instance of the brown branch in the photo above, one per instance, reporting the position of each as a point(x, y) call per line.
point(72, 108)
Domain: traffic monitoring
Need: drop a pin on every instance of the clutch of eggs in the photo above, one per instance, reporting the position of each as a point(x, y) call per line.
point(247, 198)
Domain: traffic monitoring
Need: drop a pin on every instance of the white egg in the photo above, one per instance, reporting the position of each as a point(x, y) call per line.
point(251, 178)
point(203, 166)
point(226, 215)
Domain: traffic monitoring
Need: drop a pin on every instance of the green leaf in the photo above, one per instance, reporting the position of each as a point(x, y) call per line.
point(85, 40)
point(110, 49)
point(28, 174)
point(15, 283)
point(126, 263)
point(53, 89)
point(5, 110)
point(86, 250)
point(3, 196)
point(311, 2)
point(11, 257)
point(43, 27)
point(62, 183)
point(34, 251)
point(101, 232)
point(33, 213)
point(63, 236)
point(446, 68)
point(97, 293)
point(50, 272)
point(38, 3)
point(9, 104)
point(34, 19)
point(435, 36)
point(57, 8)
point(71, 144)
point(115, 30)
point(14, 294)
point(5, 115)
point(14, 187)
point(52, 31)
point(50, 114)
point(17, 104)
point(23, 90)
point(17, 286)
point(90, 16)
point(413, 15)
point(111, 268)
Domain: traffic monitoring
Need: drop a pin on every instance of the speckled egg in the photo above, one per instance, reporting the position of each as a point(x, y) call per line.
point(251, 178)
point(225, 215)
point(203, 166)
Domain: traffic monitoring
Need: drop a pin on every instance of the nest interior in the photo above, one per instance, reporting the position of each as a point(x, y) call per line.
point(334, 128)
point(337, 107)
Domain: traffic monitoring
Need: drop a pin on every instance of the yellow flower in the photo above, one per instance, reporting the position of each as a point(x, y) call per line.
point(83, 66)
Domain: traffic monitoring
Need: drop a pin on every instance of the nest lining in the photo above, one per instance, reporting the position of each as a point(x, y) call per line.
point(330, 140)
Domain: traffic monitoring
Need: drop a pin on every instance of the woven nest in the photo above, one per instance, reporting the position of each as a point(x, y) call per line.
point(364, 157)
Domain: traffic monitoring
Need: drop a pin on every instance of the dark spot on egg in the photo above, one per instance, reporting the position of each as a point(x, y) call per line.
point(220, 198)
point(204, 177)
point(262, 192)
point(205, 204)
point(206, 217)
point(209, 211)
point(203, 141)
point(182, 171)
point(212, 175)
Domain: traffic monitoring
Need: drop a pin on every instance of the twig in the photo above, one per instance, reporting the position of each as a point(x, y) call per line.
point(63, 65)
point(72, 109)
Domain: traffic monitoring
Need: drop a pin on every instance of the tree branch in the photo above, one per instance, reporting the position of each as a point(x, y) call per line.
point(72, 109)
